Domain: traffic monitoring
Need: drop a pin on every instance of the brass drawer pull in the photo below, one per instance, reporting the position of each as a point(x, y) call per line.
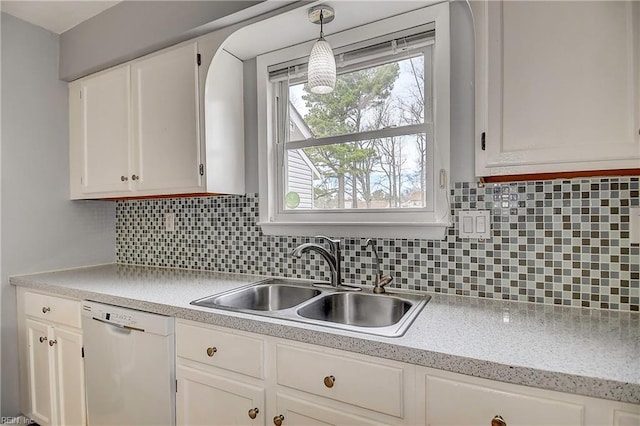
point(211, 351)
point(277, 420)
point(498, 421)
point(52, 342)
point(45, 309)
point(43, 339)
point(329, 381)
point(253, 413)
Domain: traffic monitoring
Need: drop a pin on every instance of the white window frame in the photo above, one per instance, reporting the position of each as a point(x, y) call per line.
point(430, 223)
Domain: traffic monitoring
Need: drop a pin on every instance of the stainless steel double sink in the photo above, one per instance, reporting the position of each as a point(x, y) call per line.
point(388, 315)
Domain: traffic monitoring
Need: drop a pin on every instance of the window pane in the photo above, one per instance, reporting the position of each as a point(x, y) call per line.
point(373, 174)
point(373, 98)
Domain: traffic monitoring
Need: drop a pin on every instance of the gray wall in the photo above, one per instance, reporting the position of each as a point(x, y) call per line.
point(134, 28)
point(41, 229)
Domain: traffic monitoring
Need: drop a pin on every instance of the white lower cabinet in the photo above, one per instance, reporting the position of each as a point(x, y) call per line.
point(453, 399)
point(626, 418)
point(229, 377)
point(52, 364)
point(226, 376)
point(220, 376)
point(69, 376)
point(40, 368)
point(204, 398)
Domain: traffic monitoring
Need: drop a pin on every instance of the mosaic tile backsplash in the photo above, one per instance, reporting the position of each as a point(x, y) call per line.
point(562, 242)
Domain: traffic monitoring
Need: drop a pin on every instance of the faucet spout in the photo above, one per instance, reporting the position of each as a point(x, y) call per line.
point(333, 257)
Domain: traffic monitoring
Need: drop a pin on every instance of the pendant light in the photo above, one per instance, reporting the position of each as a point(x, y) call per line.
point(321, 70)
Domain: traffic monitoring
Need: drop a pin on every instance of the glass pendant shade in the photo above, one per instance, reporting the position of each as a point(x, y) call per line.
point(321, 71)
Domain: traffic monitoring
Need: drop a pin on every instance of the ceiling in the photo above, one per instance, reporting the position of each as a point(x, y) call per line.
point(55, 16)
point(261, 37)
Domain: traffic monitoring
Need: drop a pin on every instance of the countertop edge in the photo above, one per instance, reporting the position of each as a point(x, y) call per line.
point(549, 380)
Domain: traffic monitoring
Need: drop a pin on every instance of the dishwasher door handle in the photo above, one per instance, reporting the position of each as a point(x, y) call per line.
point(122, 327)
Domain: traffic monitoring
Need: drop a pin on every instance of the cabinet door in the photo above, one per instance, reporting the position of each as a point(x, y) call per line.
point(623, 418)
point(69, 374)
point(561, 86)
point(297, 411)
point(451, 403)
point(40, 372)
point(100, 133)
point(206, 399)
point(166, 121)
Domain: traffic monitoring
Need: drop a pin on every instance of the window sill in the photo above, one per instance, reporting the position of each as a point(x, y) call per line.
point(413, 231)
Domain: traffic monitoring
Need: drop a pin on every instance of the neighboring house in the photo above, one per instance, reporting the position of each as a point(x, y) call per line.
point(415, 199)
point(300, 169)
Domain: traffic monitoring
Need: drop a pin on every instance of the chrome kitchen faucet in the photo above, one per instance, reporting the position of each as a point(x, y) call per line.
point(333, 258)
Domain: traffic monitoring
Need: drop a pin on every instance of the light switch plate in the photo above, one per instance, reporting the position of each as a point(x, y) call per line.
point(474, 224)
point(634, 225)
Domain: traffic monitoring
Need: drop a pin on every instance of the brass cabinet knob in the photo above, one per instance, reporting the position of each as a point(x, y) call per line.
point(43, 339)
point(277, 420)
point(135, 177)
point(498, 421)
point(253, 413)
point(329, 381)
point(124, 178)
point(45, 309)
point(52, 342)
point(211, 351)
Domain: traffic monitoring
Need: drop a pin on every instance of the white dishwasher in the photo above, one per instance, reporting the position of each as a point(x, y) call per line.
point(129, 366)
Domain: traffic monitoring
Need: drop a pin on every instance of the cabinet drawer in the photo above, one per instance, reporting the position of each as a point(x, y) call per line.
point(365, 384)
point(220, 349)
point(54, 309)
point(480, 404)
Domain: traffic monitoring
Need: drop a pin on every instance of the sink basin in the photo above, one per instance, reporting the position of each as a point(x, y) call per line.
point(388, 315)
point(271, 296)
point(357, 309)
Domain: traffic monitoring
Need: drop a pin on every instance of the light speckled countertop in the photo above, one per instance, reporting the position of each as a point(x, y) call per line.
point(582, 351)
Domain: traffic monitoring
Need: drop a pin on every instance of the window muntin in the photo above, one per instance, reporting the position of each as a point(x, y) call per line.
point(363, 147)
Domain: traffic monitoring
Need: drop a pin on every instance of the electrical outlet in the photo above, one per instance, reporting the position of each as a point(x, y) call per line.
point(170, 222)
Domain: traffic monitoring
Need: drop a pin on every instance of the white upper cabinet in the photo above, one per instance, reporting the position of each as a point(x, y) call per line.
point(224, 124)
point(166, 121)
point(557, 86)
point(100, 131)
point(139, 130)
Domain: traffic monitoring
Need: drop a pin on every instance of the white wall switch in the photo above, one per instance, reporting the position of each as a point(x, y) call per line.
point(634, 225)
point(170, 222)
point(474, 224)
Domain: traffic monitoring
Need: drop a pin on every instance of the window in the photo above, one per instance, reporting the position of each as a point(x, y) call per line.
point(370, 158)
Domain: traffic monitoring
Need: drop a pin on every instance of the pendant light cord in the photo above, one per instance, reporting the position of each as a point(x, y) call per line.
point(321, 25)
